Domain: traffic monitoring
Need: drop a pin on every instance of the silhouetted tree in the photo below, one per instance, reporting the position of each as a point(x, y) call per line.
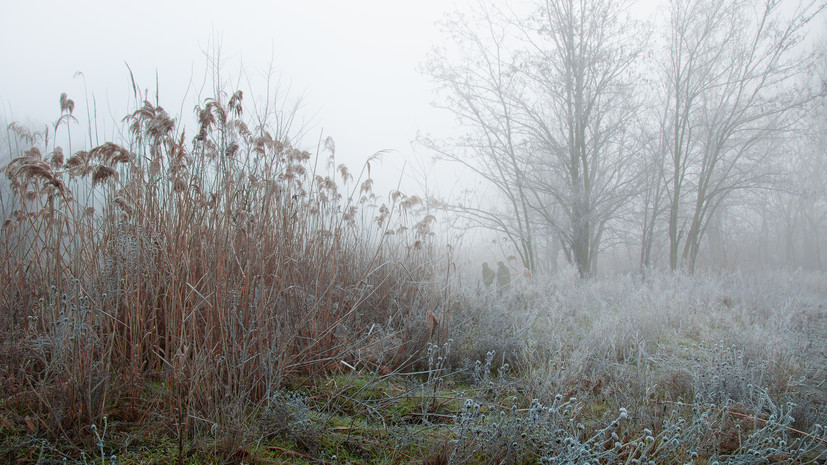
point(544, 98)
point(728, 82)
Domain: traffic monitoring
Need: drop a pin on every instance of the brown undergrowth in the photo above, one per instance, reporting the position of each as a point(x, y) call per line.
point(180, 278)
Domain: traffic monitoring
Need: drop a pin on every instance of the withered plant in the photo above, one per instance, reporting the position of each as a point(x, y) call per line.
point(181, 279)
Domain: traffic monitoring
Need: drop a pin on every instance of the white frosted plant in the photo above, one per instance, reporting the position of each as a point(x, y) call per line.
point(437, 364)
point(489, 434)
point(99, 444)
point(287, 415)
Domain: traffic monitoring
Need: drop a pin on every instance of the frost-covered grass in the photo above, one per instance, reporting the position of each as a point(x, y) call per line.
point(740, 358)
point(619, 369)
point(630, 332)
point(230, 297)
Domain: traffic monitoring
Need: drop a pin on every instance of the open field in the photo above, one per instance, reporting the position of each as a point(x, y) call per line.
point(230, 298)
point(672, 369)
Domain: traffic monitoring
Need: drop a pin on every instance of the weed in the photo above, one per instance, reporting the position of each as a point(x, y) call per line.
point(287, 416)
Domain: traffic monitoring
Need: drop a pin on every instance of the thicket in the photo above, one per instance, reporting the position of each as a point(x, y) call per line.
point(203, 265)
point(230, 288)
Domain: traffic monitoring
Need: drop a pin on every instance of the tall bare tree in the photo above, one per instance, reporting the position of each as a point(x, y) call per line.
point(581, 67)
point(729, 90)
point(480, 87)
point(544, 98)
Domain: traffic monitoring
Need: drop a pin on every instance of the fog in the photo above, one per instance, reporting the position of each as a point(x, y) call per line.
point(688, 139)
point(534, 231)
point(408, 81)
point(352, 64)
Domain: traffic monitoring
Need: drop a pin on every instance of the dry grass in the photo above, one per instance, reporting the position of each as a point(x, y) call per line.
point(216, 287)
point(170, 278)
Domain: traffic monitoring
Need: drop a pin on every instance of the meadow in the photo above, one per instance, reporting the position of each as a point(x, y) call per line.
point(218, 295)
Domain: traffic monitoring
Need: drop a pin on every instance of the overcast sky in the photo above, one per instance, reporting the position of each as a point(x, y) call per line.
point(355, 62)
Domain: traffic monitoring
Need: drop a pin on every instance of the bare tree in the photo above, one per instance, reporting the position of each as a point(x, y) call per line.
point(481, 87)
point(652, 193)
point(794, 214)
point(544, 97)
point(729, 92)
point(581, 65)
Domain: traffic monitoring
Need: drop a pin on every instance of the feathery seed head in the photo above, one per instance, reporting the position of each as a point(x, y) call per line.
point(102, 173)
point(66, 104)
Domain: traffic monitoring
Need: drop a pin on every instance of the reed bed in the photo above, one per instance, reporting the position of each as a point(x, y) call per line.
point(182, 274)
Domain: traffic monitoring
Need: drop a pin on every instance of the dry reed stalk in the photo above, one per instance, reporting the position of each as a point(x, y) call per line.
point(216, 269)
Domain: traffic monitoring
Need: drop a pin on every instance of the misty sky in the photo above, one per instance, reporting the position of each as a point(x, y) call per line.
point(355, 62)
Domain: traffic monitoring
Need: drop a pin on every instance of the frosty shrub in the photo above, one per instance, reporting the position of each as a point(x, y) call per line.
point(287, 416)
